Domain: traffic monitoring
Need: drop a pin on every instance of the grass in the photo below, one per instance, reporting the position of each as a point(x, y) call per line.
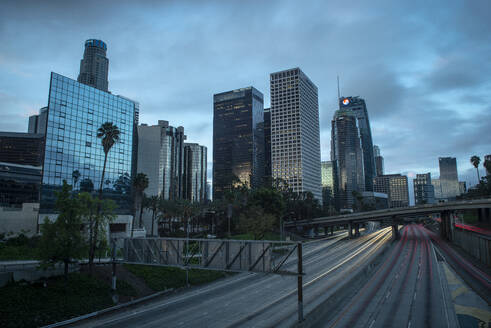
point(161, 278)
point(33, 305)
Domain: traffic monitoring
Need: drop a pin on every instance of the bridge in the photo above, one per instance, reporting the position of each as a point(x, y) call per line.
point(396, 216)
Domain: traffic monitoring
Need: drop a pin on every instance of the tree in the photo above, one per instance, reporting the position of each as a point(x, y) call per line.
point(62, 240)
point(256, 222)
point(86, 185)
point(140, 183)
point(152, 204)
point(109, 135)
point(167, 210)
point(75, 177)
point(475, 160)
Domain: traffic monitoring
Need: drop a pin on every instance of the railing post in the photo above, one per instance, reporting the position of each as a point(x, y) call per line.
point(300, 283)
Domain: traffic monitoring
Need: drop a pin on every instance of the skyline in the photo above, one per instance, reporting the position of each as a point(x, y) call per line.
point(172, 60)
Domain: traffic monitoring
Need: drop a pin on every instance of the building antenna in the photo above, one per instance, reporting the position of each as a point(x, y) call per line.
point(339, 95)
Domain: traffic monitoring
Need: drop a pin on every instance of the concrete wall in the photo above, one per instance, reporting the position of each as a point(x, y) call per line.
point(475, 244)
point(17, 220)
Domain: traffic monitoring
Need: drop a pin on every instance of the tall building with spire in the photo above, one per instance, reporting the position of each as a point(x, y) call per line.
point(379, 161)
point(94, 66)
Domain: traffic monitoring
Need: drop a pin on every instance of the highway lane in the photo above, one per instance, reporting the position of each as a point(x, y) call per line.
point(255, 299)
point(406, 291)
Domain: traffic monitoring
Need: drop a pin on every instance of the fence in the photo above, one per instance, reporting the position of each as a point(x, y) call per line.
point(475, 244)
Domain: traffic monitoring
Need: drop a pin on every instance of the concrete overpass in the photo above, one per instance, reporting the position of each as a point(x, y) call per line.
point(395, 216)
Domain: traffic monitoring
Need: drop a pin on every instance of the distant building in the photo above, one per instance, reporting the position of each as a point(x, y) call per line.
point(488, 169)
point(462, 187)
point(295, 140)
point(396, 188)
point(161, 158)
point(327, 183)
point(37, 123)
point(195, 167)
point(94, 67)
point(267, 143)
point(238, 139)
point(21, 148)
point(19, 184)
point(379, 161)
point(437, 187)
point(449, 179)
point(358, 108)
point(347, 159)
point(424, 191)
point(373, 201)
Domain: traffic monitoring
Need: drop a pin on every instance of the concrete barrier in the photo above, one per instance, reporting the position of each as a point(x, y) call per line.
point(477, 245)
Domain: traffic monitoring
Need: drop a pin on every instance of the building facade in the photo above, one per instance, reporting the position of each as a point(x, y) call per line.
point(424, 191)
point(396, 188)
point(358, 108)
point(161, 158)
point(37, 123)
point(327, 183)
point(21, 148)
point(238, 139)
point(379, 161)
point(295, 141)
point(449, 179)
point(267, 143)
point(19, 184)
point(94, 66)
point(75, 154)
point(347, 159)
point(487, 159)
point(195, 166)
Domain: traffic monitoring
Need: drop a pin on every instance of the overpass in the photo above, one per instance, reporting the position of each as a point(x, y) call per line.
point(395, 216)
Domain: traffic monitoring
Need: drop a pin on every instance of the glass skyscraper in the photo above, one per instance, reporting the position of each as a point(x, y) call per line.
point(75, 112)
point(267, 142)
point(379, 161)
point(449, 180)
point(295, 140)
point(94, 67)
point(424, 191)
point(195, 157)
point(238, 139)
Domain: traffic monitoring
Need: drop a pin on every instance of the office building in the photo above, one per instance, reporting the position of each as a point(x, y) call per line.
point(238, 139)
point(487, 159)
point(195, 165)
point(424, 191)
point(327, 183)
point(75, 112)
point(396, 188)
point(379, 161)
point(347, 159)
point(371, 201)
point(37, 123)
point(462, 187)
point(267, 143)
point(295, 142)
point(358, 108)
point(449, 179)
point(19, 184)
point(161, 158)
point(437, 187)
point(94, 66)
point(21, 148)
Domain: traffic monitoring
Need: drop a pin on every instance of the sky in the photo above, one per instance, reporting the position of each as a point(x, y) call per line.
point(423, 67)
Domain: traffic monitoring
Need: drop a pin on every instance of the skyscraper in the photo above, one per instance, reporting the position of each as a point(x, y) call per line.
point(358, 108)
point(267, 142)
point(424, 191)
point(295, 141)
point(161, 158)
point(75, 154)
point(347, 158)
point(395, 186)
point(327, 183)
point(238, 139)
point(449, 179)
point(379, 161)
point(94, 66)
point(487, 159)
point(37, 123)
point(195, 172)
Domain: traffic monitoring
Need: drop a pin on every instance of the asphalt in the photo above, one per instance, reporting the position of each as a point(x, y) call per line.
point(256, 300)
point(408, 290)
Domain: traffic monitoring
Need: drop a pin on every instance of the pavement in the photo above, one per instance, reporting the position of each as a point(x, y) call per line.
point(256, 300)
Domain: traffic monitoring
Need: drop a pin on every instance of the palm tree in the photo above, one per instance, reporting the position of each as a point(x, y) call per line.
point(153, 205)
point(475, 160)
point(140, 183)
point(109, 134)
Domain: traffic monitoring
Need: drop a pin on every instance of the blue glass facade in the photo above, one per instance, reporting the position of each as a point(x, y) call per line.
point(75, 112)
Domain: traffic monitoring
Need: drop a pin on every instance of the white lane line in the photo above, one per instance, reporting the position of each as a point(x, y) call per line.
point(372, 323)
point(440, 280)
point(414, 298)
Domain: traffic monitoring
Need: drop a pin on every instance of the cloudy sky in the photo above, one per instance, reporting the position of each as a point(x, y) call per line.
point(424, 67)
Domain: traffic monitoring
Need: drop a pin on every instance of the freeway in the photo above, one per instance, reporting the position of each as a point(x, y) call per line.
point(408, 290)
point(256, 299)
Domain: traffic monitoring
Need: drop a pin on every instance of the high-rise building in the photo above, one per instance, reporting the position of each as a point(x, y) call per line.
point(19, 184)
point(424, 191)
point(379, 161)
point(75, 154)
point(295, 141)
point(449, 179)
point(327, 183)
point(395, 186)
point(195, 166)
point(238, 139)
point(487, 159)
point(437, 187)
point(358, 108)
point(347, 159)
point(94, 66)
point(21, 148)
point(161, 158)
point(37, 123)
point(462, 187)
point(267, 143)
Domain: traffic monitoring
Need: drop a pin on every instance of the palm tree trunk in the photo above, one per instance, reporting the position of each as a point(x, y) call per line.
point(141, 211)
point(478, 178)
point(96, 223)
point(103, 173)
